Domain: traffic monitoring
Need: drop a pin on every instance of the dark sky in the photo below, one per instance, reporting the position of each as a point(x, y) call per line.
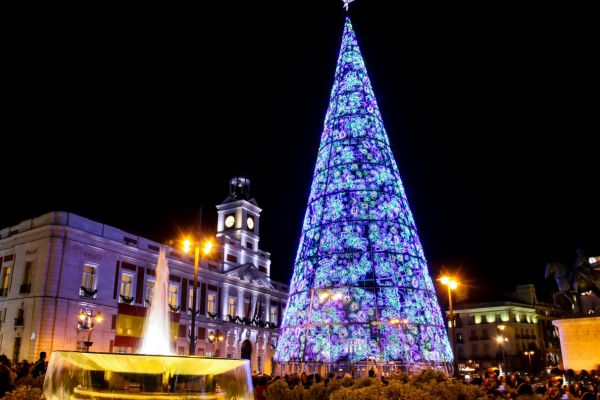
point(137, 118)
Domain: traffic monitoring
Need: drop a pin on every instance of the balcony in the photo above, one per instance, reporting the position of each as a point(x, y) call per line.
point(87, 292)
point(19, 321)
point(25, 288)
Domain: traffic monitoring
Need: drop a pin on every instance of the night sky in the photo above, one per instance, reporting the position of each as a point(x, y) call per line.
point(138, 118)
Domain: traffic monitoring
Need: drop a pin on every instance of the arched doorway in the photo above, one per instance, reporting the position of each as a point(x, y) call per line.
point(246, 350)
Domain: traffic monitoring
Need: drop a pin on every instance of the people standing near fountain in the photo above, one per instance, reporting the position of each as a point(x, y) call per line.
point(40, 366)
point(7, 378)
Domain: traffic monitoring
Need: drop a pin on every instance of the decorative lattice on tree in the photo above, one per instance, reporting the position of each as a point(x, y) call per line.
point(360, 268)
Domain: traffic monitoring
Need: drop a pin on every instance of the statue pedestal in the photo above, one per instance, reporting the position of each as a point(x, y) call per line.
point(579, 342)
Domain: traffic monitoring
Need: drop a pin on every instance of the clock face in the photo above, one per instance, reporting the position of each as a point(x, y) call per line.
point(229, 221)
point(250, 223)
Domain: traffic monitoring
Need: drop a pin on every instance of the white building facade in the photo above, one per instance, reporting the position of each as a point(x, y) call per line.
point(59, 264)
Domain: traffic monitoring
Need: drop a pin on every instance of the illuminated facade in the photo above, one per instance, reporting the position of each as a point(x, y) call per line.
point(524, 323)
point(58, 264)
point(360, 291)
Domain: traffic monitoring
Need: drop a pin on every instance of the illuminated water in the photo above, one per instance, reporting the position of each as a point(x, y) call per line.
point(157, 327)
point(98, 376)
point(155, 375)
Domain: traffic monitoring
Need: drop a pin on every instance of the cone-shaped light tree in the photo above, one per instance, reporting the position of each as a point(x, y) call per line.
point(360, 289)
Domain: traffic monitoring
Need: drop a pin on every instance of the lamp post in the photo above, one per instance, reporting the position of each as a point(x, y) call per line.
point(501, 340)
point(452, 284)
point(212, 338)
point(86, 321)
point(187, 246)
point(529, 353)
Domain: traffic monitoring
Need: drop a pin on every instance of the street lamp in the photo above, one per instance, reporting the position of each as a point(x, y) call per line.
point(452, 284)
point(501, 340)
point(212, 338)
point(206, 248)
point(529, 353)
point(86, 321)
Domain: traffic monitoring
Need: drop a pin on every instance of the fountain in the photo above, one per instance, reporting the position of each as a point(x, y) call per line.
point(156, 333)
point(154, 373)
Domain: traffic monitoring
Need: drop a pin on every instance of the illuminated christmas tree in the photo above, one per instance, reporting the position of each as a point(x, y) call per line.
point(360, 289)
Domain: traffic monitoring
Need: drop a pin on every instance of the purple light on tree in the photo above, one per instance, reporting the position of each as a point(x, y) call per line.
point(360, 268)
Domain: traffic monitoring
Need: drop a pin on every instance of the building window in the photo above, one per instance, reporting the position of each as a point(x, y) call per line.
point(191, 300)
point(247, 305)
point(173, 298)
point(26, 285)
point(149, 291)
point(6, 271)
point(273, 316)
point(17, 349)
point(260, 364)
point(211, 303)
point(231, 258)
point(249, 245)
point(231, 306)
point(88, 281)
point(262, 268)
point(126, 287)
point(20, 320)
point(81, 345)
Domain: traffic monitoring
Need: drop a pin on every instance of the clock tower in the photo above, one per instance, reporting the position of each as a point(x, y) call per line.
point(238, 228)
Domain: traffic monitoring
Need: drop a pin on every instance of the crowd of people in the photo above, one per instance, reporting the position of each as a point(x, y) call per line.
point(553, 388)
point(12, 374)
point(518, 387)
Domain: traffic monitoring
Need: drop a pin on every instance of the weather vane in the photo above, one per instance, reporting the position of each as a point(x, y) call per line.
point(347, 3)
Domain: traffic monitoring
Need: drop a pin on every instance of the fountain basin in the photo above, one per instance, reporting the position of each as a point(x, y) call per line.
point(100, 376)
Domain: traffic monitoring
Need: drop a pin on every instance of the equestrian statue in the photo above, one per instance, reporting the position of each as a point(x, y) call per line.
point(574, 282)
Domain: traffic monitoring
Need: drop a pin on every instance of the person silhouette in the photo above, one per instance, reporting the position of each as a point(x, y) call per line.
point(582, 266)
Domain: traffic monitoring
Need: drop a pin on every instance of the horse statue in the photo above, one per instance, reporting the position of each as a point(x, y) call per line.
point(572, 282)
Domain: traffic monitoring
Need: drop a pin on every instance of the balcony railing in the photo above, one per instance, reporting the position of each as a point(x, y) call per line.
point(87, 292)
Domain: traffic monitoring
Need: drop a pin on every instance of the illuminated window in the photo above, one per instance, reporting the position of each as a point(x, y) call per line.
point(5, 281)
point(149, 291)
point(231, 306)
point(190, 300)
point(88, 278)
point(273, 315)
point(126, 285)
point(173, 290)
point(211, 305)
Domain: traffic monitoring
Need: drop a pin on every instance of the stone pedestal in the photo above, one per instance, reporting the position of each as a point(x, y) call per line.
point(579, 342)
